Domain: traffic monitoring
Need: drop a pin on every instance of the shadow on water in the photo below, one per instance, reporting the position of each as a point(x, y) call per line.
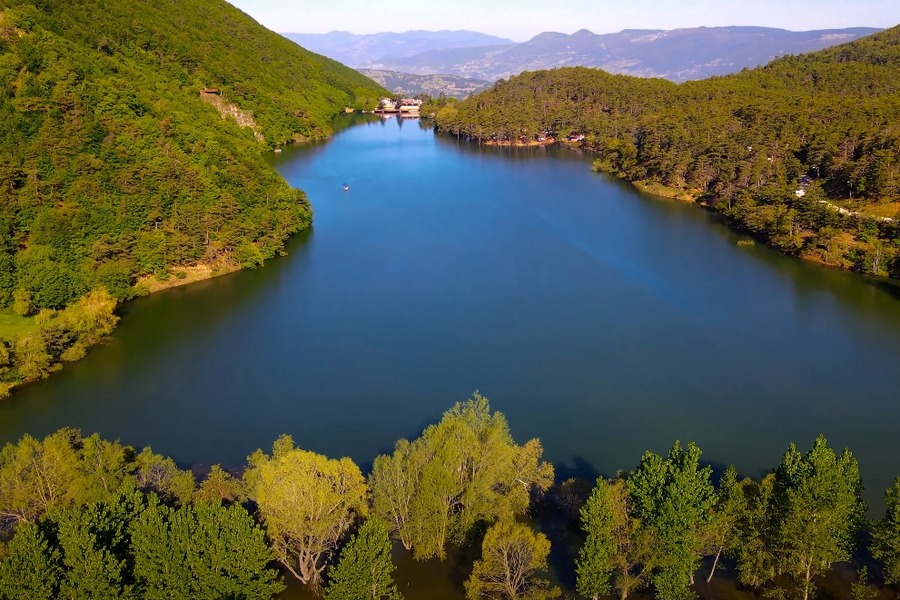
point(886, 285)
point(416, 580)
point(580, 468)
point(565, 541)
point(718, 469)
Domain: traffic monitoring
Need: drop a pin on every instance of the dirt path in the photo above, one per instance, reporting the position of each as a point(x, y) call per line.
point(854, 213)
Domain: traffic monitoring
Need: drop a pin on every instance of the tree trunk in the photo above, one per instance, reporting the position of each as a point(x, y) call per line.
point(715, 563)
point(806, 586)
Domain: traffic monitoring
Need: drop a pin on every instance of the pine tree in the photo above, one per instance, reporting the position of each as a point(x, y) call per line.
point(364, 570)
point(33, 569)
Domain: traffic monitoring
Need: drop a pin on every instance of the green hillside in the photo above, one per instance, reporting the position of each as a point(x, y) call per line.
point(113, 168)
point(826, 123)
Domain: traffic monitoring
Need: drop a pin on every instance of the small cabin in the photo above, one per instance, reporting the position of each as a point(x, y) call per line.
point(210, 92)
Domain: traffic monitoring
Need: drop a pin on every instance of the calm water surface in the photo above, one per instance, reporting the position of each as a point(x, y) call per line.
point(603, 321)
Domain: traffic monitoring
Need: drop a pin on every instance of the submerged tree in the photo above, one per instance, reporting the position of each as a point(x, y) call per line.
point(307, 502)
point(596, 560)
point(819, 510)
point(675, 497)
point(753, 546)
point(394, 482)
point(511, 555)
point(618, 552)
point(886, 535)
point(365, 568)
point(221, 486)
point(463, 470)
point(719, 534)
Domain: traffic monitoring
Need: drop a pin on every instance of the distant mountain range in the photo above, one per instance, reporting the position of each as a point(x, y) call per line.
point(364, 50)
point(407, 84)
point(677, 55)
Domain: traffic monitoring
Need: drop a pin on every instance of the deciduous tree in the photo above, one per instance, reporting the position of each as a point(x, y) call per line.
point(511, 555)
point(819, 510)
point(720, 532)
point(307, 502)
point(675, 497)
point(37, 476)
point(753, 547)
point(462, 470)
point(159, 474)
point(618, 553)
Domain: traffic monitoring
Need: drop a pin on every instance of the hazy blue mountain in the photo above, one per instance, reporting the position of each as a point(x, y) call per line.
point(407, 84)
point(364, 50)
point(678, 55)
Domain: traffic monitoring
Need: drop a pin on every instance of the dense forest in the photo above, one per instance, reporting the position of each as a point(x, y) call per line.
point(803, 153)
point(83, 517)
point(115, 169)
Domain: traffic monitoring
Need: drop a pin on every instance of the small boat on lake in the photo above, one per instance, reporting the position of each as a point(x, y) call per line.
point(346, 187)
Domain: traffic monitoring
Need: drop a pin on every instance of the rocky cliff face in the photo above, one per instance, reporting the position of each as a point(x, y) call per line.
point(229, 110)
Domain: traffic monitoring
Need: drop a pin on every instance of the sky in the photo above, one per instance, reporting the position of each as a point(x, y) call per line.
point(521, 20)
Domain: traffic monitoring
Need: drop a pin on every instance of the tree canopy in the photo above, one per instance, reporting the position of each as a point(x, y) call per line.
point(464, 470)
point(83, 517)
point(365, 568)
point(308, 502)
point(511, 557)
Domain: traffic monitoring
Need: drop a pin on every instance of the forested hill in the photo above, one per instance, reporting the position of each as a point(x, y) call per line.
point(114, 167)
point(804, 152)
point(203, 43)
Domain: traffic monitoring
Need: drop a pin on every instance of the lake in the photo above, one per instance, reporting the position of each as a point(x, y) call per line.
point(604, 321)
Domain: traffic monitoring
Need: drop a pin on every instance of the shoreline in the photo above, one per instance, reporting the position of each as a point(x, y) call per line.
point(654, 188)
point(815, 256)
point(518, 144)
point(663, 191)
point(150, 284)
point(175, 276)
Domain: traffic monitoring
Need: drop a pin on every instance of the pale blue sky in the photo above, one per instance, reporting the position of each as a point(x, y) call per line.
point(522, 19)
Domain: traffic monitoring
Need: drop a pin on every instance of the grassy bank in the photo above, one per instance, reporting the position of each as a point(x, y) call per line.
point(13, 326)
